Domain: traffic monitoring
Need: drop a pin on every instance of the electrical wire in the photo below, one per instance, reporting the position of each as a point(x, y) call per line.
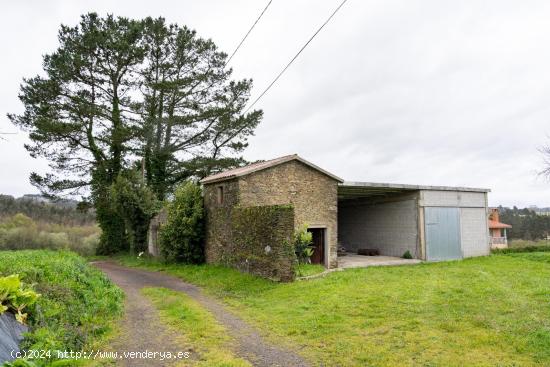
point(296, 56)
point(247, 33)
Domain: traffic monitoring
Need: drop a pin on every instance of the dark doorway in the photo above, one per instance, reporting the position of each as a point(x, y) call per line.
point(318, 237)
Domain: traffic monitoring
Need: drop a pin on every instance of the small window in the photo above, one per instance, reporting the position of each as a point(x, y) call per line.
point(220, 195)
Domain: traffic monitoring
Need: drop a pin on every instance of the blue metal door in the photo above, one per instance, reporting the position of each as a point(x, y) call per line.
point(442, 233)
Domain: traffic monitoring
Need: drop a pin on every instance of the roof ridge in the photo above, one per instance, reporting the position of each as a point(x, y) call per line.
point(257, 166)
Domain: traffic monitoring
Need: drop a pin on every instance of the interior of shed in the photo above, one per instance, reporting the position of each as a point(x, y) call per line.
point(378, 219)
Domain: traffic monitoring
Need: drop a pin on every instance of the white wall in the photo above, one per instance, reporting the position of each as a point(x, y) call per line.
point(473, 217)
point(459, 199)
point(473, 232)
point(389, 227)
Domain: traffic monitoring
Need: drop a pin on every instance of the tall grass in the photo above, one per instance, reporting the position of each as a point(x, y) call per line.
point(78, 304)
point(20, 232)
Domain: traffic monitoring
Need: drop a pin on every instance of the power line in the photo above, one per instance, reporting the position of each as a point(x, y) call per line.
point(296, 56)
point(247, 33)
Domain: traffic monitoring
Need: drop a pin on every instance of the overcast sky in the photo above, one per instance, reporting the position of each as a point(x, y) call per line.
point(421, 92)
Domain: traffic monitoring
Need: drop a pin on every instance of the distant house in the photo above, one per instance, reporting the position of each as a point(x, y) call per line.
point(497, 230)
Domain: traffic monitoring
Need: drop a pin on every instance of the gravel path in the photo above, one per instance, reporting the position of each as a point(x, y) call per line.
point(143, 324)
point(141, 328)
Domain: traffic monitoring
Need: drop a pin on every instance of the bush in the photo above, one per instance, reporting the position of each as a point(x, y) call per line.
point(182, 236)
point(302, 245)
point(407, 255)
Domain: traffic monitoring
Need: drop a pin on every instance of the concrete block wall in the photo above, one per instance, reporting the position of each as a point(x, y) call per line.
point(461, 199)
point(474, 232)
point(390, 227)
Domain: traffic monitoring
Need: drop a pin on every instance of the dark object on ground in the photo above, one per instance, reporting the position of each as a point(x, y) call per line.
point(407, 255)
point(368, 252)
point(11, 334)
point(341, 251)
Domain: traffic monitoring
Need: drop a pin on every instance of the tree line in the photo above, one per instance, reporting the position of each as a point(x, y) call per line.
point(124, 111)
point(64, 213)
point(526, 224)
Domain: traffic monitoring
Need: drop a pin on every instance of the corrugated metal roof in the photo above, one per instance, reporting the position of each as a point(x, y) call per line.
point(255, 167)
point(392, 186)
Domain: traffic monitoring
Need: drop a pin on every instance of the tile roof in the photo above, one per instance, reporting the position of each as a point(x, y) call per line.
point(254, 167)
point(493, 224)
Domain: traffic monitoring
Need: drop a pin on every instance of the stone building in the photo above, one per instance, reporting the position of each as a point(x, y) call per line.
point(291, 180)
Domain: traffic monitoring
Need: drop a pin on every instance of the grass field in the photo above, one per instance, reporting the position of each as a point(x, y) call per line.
point(78, 305)
point(490, 311)
point(304, 270)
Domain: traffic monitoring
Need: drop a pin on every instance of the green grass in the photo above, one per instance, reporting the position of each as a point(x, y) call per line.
point(199, 328)
point(489, 311)
point(304, 270)
point(78, 304)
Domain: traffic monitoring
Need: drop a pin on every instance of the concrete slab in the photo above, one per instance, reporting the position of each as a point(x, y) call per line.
point(360, 261)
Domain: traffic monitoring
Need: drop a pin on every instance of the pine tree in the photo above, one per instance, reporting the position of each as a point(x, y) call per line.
point(121, 93)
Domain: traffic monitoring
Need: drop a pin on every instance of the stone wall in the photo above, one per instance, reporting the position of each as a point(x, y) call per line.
point(218, 218)
point(313, 195)
point(254, 239)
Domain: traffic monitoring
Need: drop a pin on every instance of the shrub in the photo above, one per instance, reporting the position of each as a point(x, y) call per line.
point(407, 255)
point(182, 236)
point(302, 245)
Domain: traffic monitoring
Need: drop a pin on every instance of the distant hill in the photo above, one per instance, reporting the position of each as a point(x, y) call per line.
point(43, 209)
point(65, 203)
point(540, 211)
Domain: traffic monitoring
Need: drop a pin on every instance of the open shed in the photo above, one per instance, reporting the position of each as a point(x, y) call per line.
point(430, 222)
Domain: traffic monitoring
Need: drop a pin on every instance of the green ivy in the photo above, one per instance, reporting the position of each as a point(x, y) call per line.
point(261, 241)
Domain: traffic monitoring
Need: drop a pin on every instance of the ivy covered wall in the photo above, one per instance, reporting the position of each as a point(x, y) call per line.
point(262, 241)
point(257, 239)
